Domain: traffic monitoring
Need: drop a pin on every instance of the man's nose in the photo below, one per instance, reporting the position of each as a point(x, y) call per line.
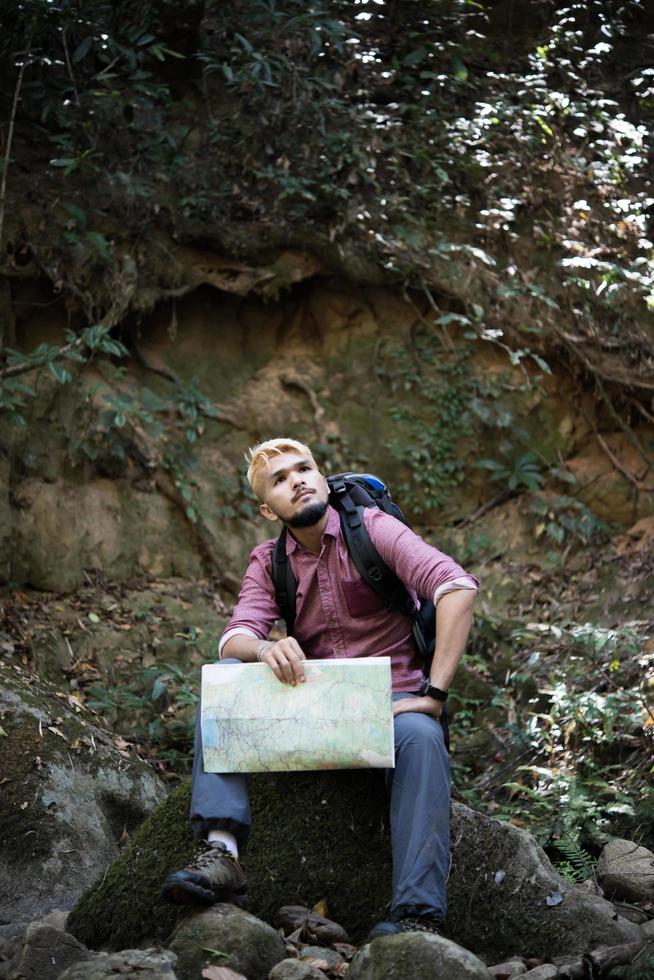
point(297, 479)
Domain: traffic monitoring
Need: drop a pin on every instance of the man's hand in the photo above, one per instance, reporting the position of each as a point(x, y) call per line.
point(285, 660)
point(426, 705)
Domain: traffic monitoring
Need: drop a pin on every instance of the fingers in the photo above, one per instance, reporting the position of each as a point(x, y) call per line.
point(425, 705)
point(285, 660)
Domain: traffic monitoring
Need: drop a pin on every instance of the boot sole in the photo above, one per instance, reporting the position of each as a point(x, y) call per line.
point(184, 892)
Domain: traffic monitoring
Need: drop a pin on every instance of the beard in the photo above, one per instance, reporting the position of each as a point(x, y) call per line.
point(309, 516)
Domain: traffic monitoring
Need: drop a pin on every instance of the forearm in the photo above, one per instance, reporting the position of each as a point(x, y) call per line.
point(453, 622)
point(243, 647)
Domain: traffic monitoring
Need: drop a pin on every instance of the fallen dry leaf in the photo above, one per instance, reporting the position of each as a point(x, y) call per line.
point(339, 970)
point(345, 949)
point(316, 962)
point(321, 907)
point(221, 973)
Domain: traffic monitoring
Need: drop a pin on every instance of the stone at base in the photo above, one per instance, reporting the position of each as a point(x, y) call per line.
point(128, 964)
point(507, 970)
point(253, 947)
point(46, 952)
point(295, 970)
point(416, 954)
point(323, 953)
point(545, 972)
point(626, 871)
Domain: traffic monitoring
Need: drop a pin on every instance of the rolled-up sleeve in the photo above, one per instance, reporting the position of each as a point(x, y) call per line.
point(419, 565)
point(256, 609)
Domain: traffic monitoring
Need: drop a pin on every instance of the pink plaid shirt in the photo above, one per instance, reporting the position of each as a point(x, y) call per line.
point(337, 613)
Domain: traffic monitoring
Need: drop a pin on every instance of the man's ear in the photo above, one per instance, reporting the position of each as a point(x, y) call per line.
point(266, 512)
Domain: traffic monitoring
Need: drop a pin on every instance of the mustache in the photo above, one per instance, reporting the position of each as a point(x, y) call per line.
point(300, 492)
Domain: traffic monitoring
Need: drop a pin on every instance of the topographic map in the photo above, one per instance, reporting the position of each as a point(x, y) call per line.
point(339, 718)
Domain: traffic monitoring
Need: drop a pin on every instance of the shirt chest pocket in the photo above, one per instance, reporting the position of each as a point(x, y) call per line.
point(360, 599)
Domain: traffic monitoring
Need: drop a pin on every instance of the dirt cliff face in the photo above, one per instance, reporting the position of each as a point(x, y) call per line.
point(115, 473)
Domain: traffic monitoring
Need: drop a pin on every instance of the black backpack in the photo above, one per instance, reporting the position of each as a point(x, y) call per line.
point(349, 494)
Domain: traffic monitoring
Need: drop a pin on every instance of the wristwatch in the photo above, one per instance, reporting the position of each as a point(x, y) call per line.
point(426, 690)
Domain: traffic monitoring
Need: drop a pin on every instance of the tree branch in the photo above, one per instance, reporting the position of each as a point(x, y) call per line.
point(10, 137)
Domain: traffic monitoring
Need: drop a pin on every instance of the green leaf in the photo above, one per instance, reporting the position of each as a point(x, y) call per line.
point(542, 364)
point(159, 688)
point(76, 212)
point(244, 41)
point(459, 68)
point(415, 57)
point(60, 373)
point(479, 253)
point(100, 243)
point(451, 318)
point(82, 50)
point(67, 164)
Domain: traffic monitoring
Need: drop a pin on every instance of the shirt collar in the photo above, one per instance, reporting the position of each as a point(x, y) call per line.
point(332, 529)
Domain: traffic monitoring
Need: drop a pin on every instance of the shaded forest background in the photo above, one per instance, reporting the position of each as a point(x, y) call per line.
point(414, 234)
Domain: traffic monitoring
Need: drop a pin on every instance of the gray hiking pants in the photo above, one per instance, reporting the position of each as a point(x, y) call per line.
point(419, 788)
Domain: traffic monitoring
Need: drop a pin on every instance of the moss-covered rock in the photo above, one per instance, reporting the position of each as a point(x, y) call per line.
point(325, 836)
point(305, 846)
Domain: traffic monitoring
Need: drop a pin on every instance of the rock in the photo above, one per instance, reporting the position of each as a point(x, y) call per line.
point(128, 964)
point(329, 956)
point(626, 871)
point(415, 955)
point(68, 797)
point(514, 915)
point(295, 970)
point(336, 848)
point(545, 972)
point(648, 929)
point(314, 926)
point(507, 970)
point(62, 528)
point(57, 919)
point(11, 938)
point(253, 947)
point(45, 953)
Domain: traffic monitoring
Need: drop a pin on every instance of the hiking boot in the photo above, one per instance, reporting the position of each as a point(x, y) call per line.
point(408, 923)
point(214, 875)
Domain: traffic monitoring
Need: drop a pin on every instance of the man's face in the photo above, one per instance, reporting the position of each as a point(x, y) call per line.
point(293, 490)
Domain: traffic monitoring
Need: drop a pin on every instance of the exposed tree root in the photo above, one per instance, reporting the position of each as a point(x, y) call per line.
point(593, 966)
point(293, 380)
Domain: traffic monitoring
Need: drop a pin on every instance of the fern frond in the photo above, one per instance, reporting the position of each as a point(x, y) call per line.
point(579, 864)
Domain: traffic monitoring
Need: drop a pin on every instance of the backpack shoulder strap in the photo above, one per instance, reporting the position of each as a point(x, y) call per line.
point(284, 582)
point(368, 562)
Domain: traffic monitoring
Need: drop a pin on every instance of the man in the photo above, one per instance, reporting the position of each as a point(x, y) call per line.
point(338, 615)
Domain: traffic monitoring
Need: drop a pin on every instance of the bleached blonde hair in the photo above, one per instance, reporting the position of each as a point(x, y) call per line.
point(257, 458)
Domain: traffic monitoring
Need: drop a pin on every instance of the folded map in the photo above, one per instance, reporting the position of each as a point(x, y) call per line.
point(339, 718)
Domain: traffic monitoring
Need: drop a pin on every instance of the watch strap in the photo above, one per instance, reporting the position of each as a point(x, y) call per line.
point(427, 690)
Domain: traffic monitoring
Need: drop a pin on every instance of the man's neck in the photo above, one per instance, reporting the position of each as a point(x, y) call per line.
point(311, 537)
